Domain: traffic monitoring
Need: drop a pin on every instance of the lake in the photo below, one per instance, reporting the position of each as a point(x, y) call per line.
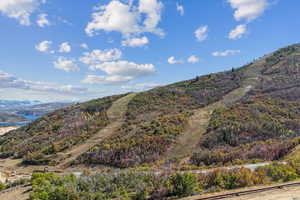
point(29, 118)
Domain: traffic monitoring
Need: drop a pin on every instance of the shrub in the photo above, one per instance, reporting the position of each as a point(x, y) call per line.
point(2, 186)
point(280, 172)
point(183, 184)
point(36, 159)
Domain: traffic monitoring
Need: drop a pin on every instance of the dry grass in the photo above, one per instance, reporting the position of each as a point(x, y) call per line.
point(116, 115)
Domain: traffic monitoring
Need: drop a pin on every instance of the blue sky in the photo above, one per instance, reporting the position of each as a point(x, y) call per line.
point(66, 50)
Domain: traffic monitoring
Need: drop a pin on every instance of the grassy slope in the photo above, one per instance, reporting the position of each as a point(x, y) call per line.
point(115, 115)
point(57, 131)
point(156, 118)
point(265, 124)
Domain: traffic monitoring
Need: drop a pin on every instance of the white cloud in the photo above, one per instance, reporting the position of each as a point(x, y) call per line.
point(98, 56)
point(44, 46)
point(201, 33)
point(135, 42)
point(20, 10)
point(141, 86)
point(126, 18)
point(125, 68)
point(172, 60)
point(114, 16)
point(42, 20)
point(64, 89)
point(119, 72)
point(193, 59)
point(180, 9)
point(84, 46)
point(152, 8)
point(65, 47)
point(238, 32)
point(106, 80)
point(10, 81)
point(66, 64)
point(226, 53)
point(248, 9)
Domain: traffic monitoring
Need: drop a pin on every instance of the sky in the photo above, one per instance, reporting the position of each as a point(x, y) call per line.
point(76, 50)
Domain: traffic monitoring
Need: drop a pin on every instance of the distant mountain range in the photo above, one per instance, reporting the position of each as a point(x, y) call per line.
point(18, 111)
point(11, 117)
point(15, 103)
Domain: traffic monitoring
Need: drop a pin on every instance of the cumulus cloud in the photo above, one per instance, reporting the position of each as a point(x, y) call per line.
point(10, 81)
point(248, 9)
point(238, 32)
point(135, 42)
point(66, 64)
point(141, 86)
point(226, 53)
point(20, 10)
point(172, 60)
point(98, 56)
point(126, 18)
point(119, 72)
point(44, 46)
point(42, 20)
point(125, 68)
point(84, 46)
point(180, 9)
point(201, 33)
point(193, 59)
point(65, 47)
point(106, 80)
point(152, 9)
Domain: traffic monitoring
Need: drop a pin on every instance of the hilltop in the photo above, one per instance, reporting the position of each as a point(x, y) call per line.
point(243, 115)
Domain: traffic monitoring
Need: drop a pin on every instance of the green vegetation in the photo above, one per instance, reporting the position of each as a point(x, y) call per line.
point(147, 145)
point(258, 128)
point(38, 142)
point(183, 184)
point(155, 118)
point(4, 186)
point(145, 186)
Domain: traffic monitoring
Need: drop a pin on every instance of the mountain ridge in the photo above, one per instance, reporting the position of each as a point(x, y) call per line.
point(155, 126)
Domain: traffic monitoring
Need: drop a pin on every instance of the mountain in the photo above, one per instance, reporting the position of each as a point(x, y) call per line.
point(39, 109)
point(18, 113)
point(10, 118)
point(15, 103)
point(242, 115)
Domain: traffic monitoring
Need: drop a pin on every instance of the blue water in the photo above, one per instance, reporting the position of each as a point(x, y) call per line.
point(29, 118)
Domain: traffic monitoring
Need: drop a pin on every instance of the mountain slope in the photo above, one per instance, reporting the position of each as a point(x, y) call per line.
point(39, 141)
point(265, 124)
point(158, 119)
point(242, 115)
point(115, 115)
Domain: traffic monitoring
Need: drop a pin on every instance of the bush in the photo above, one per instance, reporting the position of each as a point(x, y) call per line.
point(281, 173)
point(36, 159)
point(2, 186)
point(183, 184)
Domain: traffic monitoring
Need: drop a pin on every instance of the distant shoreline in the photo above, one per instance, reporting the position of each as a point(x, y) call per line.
point(4, 130)
point(28, 118)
